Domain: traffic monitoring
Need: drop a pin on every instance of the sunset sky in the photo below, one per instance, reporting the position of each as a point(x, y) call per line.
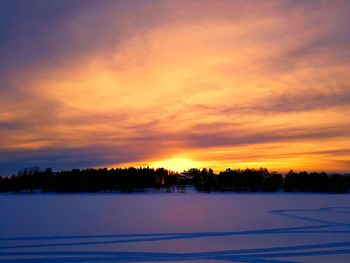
point(175, 83)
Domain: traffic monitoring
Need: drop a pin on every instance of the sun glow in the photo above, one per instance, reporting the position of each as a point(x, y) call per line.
point(177, 84)
point(176, 164)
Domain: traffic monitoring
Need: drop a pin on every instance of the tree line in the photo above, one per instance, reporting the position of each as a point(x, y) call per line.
point(143, 178)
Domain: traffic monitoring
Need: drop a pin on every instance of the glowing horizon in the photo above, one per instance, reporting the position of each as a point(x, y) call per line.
point(215, 84)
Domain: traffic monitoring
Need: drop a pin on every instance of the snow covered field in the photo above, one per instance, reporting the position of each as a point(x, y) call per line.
point(191, 227)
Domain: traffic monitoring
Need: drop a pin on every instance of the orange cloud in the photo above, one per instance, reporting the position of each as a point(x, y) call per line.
point(219, 84)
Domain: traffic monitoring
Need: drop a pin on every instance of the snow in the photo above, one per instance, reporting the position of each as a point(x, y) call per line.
point(191, 227)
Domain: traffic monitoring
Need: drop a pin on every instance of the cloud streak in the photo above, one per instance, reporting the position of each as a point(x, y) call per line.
point(95, 83)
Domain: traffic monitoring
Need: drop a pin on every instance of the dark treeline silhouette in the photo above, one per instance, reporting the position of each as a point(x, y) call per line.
point(138, 179)
point(252, 180)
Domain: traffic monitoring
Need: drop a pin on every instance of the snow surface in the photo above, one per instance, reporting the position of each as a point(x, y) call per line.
point(191, 227)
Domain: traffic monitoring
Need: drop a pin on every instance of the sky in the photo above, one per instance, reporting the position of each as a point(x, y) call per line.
point(175, 83)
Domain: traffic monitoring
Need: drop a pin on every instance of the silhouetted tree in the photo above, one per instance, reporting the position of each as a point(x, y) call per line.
point(138, 179)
